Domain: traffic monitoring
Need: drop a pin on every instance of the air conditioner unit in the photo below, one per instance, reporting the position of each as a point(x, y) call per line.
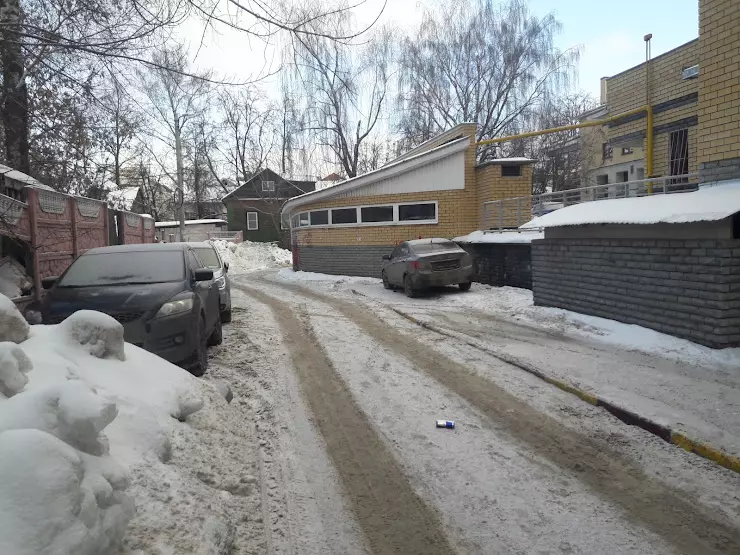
point(691, 72)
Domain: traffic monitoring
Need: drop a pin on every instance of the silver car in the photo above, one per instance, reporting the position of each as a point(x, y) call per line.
point(422, 263)
point(212, 260)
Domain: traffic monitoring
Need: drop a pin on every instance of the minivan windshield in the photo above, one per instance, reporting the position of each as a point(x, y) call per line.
point(125, 268)
point(208, 256)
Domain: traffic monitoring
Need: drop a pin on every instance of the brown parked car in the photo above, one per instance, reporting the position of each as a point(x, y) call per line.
point(422, 263)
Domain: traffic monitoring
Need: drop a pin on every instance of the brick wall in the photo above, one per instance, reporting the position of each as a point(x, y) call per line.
point(686, 288)
point(674, 101)
point(501, 264)
point(341, 260)
point(491, 185)
point(719, 91)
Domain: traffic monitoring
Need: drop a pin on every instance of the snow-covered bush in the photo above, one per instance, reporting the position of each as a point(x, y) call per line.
point(14, 365)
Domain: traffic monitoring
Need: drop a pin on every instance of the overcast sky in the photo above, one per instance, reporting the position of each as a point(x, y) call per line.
point(610, 35)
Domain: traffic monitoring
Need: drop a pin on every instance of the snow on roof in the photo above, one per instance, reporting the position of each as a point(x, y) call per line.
point(709, 203)
point(22, 178)
point(508, 236)
point(189, 222)
point(123, 198)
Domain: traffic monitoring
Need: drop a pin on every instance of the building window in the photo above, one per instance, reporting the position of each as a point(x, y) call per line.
point(511, 170)
point(303, 219)
point(606, 151)
point(320, 217)
point(415, 212)
point(344, 216)
point(376, 214)
point(252, 221)
point(268, 186)
point(602, 179)
point(627, 150)
point(679, 152)
point(622, 177)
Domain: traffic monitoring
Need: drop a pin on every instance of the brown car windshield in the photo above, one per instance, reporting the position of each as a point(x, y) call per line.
point(427, 248)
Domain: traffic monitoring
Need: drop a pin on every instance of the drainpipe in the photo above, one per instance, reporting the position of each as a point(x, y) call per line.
point(649, 133)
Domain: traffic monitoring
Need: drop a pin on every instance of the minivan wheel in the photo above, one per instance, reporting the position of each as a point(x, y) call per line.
point(217, 335)
point(465, 286)
point(386, 283)
point(200, 365)
point(408, 287)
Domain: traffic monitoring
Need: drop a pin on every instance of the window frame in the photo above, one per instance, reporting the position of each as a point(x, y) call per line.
point(360, 223)
point(257, 222)
point(268, 189)
point(509, 167)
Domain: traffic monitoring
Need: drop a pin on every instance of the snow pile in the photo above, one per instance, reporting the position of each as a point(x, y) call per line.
point(251, 256)
point(13, 278)
point(507, 237)
point(287, 274)
point(78, 417)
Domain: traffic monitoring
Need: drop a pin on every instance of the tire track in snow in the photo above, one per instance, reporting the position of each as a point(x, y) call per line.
point(393, 518)
point(609, 475)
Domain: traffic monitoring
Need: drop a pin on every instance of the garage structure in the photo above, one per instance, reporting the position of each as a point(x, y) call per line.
point(435, 190)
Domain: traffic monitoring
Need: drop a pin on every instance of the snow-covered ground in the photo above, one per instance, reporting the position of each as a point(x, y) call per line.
point(99, 443)
point(251, 256)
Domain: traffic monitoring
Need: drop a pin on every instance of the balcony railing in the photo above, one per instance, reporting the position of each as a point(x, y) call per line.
point(513, 212)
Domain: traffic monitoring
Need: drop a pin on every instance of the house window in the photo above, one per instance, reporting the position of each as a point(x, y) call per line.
point(303, 219)
point(622, 177)
point(252, 221)
point(511, 170)
point(268, 186)
point(414, 212)
point(374, 214)
point(606, 151)
point(679, 152)
point(627, 150)
point(320, 217)
point(602, 179)
point(344, 216)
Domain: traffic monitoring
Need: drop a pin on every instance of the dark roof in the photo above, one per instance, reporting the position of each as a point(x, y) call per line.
point(140, 247)
point(298, 187)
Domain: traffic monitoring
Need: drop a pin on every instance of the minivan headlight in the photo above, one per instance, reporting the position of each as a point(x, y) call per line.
point(176, 305)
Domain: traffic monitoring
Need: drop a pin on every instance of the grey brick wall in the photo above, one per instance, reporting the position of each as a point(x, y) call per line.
point(686, 288)
point(720, 170)
point(501, 263)
point(341, 260)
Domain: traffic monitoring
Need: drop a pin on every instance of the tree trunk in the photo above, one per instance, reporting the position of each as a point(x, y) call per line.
point(180, 179)
point(15, 92)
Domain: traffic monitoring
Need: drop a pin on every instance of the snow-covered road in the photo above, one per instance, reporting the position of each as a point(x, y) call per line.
point(343, 394)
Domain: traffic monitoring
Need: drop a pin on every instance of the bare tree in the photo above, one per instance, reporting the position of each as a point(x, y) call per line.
point(121, 121)
point(177, 100)
point(345, 89)
point(479, 62)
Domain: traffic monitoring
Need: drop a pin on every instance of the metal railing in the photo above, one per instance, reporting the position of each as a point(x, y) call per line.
point(233, 236)
point(513, 212)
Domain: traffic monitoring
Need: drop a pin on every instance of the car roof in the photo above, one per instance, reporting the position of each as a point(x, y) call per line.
point(140, 247)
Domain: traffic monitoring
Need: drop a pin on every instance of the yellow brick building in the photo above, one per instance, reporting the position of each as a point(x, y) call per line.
point(434, 190)
point(694, 91)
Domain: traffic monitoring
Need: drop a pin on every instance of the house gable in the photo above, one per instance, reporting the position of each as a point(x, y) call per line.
point(283, 188)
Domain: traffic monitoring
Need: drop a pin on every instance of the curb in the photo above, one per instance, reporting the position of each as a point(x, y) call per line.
point(627, 416)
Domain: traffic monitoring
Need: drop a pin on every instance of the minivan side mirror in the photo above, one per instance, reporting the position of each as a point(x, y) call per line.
point(48, 282)
point(203, 274)
point(386, 257)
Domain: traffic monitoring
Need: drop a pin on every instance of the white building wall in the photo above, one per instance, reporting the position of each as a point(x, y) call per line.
point(442, 175)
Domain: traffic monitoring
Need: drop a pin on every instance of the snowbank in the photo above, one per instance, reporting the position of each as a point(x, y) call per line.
point(507, 237)
point(87, 415)
point(252, 256)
